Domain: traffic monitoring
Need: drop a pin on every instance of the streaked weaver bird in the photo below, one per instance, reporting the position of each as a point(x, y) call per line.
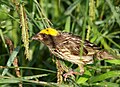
point(67, 47)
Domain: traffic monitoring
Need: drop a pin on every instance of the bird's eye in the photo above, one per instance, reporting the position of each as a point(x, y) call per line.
point(43, 35)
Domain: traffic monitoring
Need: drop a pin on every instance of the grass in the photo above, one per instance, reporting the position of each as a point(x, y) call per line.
point(28, 63)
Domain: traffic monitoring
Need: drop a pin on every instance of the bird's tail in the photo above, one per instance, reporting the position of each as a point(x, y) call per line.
point(103, 54)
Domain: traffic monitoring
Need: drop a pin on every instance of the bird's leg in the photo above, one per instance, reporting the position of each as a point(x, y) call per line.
point(72, 73)
point(81, 66)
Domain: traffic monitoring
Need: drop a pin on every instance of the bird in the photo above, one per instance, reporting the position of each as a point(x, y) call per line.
point(67, 46)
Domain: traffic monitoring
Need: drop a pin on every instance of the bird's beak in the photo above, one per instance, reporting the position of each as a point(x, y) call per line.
point(36, 37)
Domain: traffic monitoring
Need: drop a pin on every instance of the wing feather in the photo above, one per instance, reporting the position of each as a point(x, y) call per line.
point(73, 44)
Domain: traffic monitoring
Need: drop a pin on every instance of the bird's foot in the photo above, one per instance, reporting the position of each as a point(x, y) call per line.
point(72, 73)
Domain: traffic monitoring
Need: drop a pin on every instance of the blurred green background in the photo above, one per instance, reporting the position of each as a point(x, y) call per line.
point(95, 20)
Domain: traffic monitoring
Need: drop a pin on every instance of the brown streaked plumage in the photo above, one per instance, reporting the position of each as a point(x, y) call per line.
point(67, 47)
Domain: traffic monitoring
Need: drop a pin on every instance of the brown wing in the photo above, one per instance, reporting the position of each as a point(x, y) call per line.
point(73, 43)
point(67, 47)
point(91, 48)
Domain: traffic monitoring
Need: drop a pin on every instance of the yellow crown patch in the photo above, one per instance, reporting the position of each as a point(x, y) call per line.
point(49, 31)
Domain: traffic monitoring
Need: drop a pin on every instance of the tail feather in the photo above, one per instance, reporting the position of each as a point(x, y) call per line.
point(103, 54)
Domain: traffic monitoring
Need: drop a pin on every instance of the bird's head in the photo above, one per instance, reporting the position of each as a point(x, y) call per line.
point(46, 35)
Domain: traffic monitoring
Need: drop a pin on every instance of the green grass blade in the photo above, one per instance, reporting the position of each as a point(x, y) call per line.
point(67, 25)
point(107, 84)
point(8, 81)
point(72, 7)
point(114, 61)
point(35, 76)
point(11, 59)
point(3, 39)
point(104, 76)
point(115, 14)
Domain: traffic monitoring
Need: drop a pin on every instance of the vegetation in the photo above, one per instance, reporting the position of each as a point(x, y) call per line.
point(24, 62)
